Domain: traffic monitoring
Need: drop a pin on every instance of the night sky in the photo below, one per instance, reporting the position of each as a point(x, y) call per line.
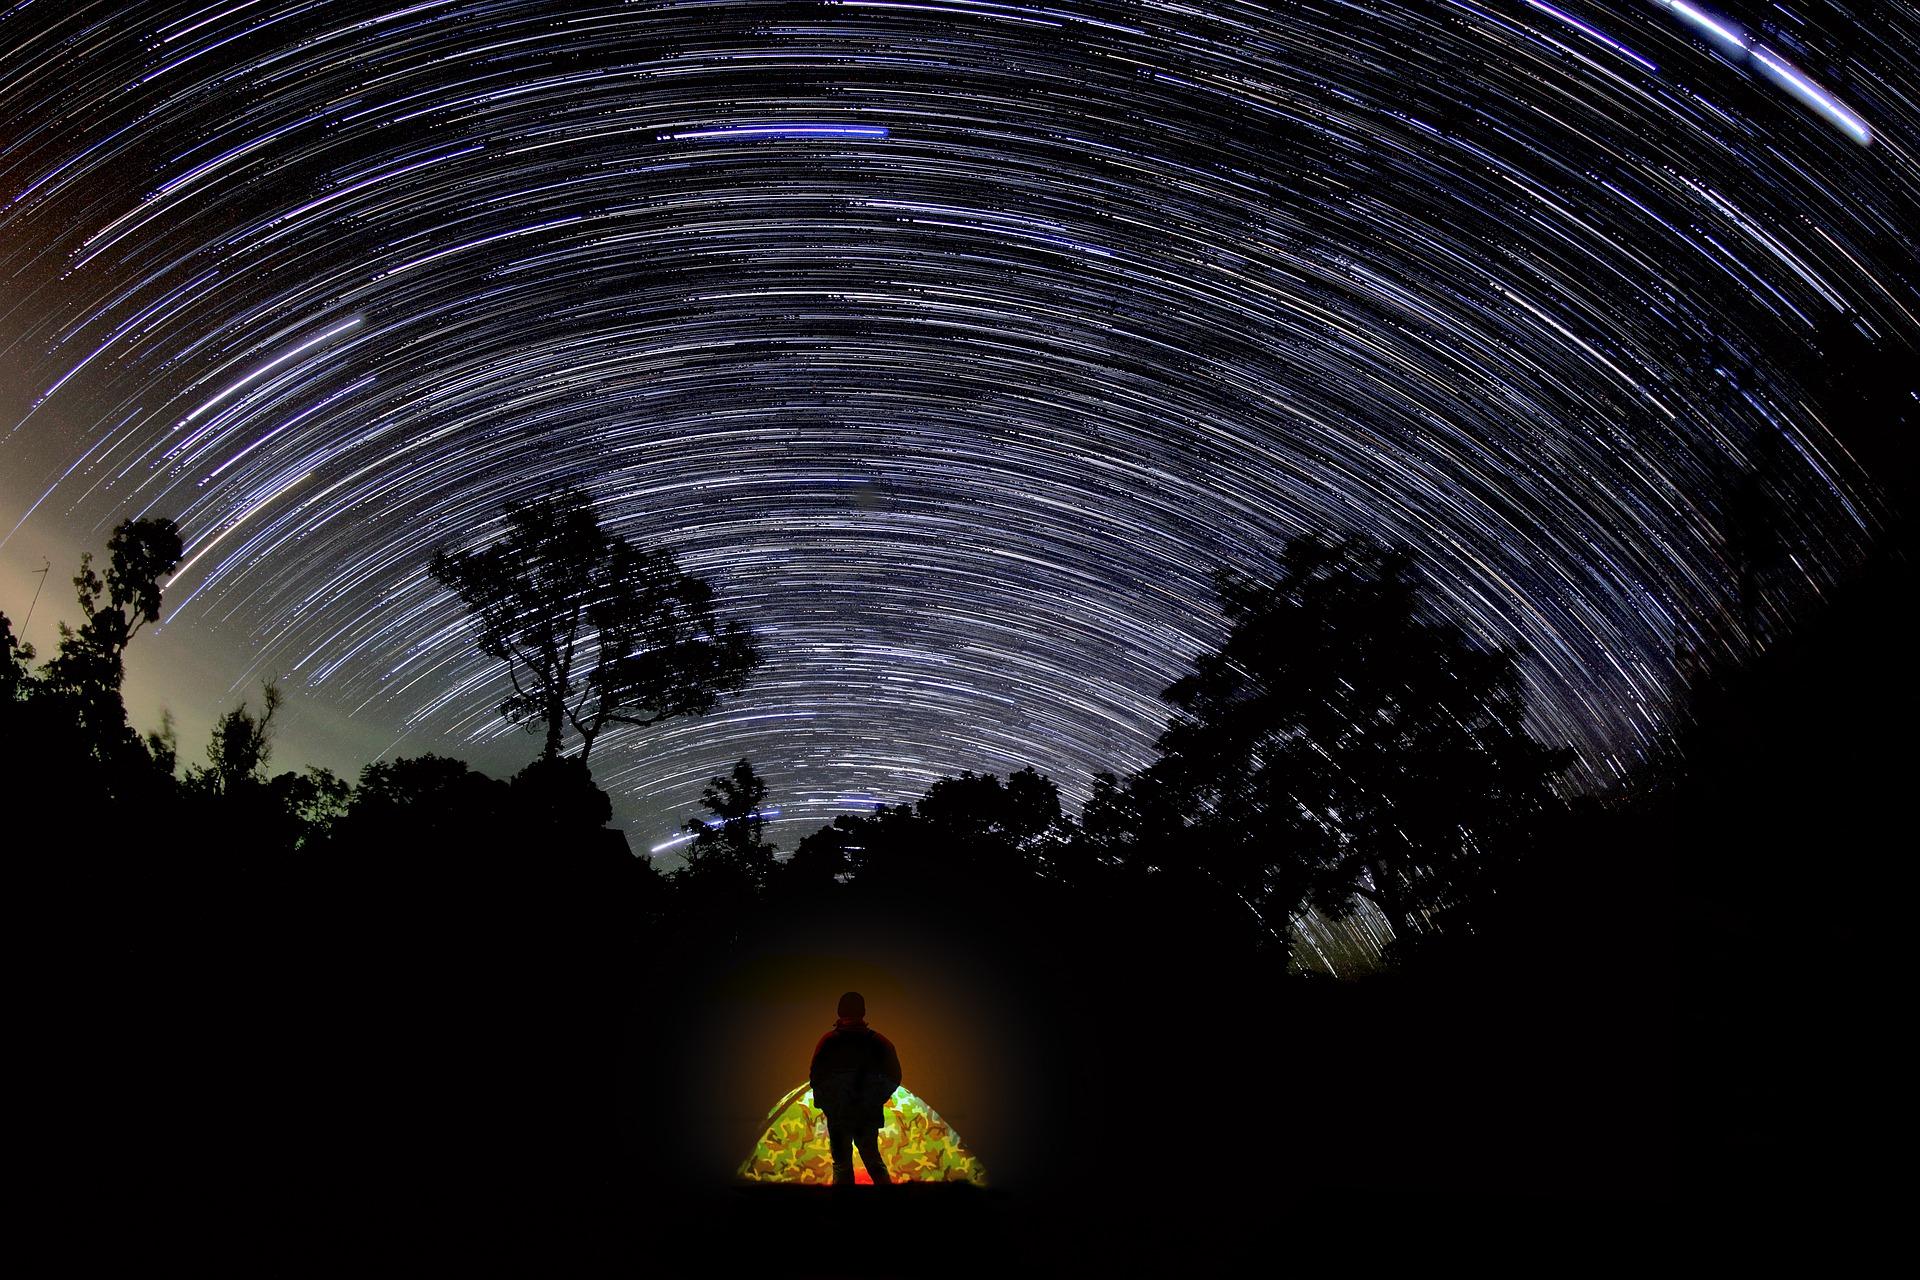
point(955, 342)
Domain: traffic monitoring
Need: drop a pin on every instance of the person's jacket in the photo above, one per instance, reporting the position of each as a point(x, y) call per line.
point(854, 1071)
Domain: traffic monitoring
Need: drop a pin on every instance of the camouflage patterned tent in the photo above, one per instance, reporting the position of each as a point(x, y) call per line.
point(916, 1143)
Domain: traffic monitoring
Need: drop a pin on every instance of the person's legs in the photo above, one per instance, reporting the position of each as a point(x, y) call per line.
point(840, 1143)
point(869, 1140)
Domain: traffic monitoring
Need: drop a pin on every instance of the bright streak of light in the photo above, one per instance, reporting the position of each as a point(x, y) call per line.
point(271, 365)
point(782, 131)
point(1719, 28)
point(1742, 47)
point(222, 536)
point(1813, 95)
point(1592, 33)
point(712, 823)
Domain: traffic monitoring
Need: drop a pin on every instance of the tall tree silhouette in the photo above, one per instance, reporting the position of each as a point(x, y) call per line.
point(422, 802)
point(820, 861)
point(594, 630)
point(268, 816)
point(87, 670)
point(975, 827)
point(15, 658)
point(66, 747)
point(1342, 746)
point(1125, 831)
point(729, 855)
point(240, 747)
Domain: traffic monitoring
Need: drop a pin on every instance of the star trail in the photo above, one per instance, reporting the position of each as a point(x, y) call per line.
point(956, 342)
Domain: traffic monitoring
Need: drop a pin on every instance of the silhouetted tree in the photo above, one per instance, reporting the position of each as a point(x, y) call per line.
point(886, 848)
point(63, 729)
point(262, 817)
point(163, 744)
point(240, 747)
point(15, 664)
point(1123, 826)
point(1020, 814)
point(1341, 747)
point(558, 796)
point(120, 900)
point(729, 856)
point(819, 861)
point(980, 827)
point(1131, 856)
point(970, 833)
point(425, 799)
point(87, 670)
point(594, 630)
point(312, 801)
point(139, 552)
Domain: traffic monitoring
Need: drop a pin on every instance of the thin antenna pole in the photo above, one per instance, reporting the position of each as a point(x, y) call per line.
point(45, 568)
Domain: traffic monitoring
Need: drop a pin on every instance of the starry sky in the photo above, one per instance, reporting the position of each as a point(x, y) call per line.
point(956, 342)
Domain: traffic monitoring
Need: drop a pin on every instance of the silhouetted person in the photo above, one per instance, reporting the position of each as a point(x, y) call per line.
point(854, 1071)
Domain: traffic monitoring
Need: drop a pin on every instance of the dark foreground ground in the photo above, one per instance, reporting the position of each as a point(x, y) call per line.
point(932, 1230)
point(1139, 1111)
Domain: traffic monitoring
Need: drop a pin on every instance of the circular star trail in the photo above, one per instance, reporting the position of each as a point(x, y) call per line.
point(956, 342)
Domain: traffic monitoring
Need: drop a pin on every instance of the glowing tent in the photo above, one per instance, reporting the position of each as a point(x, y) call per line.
point(916, 1143)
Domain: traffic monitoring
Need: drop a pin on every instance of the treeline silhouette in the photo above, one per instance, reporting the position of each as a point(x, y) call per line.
point(1343, 752)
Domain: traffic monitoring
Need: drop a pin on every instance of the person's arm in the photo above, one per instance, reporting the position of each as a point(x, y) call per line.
point(890, 1064)
point(813, 1068)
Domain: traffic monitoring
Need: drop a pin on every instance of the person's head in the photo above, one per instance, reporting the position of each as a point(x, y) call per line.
point(853, 1005)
